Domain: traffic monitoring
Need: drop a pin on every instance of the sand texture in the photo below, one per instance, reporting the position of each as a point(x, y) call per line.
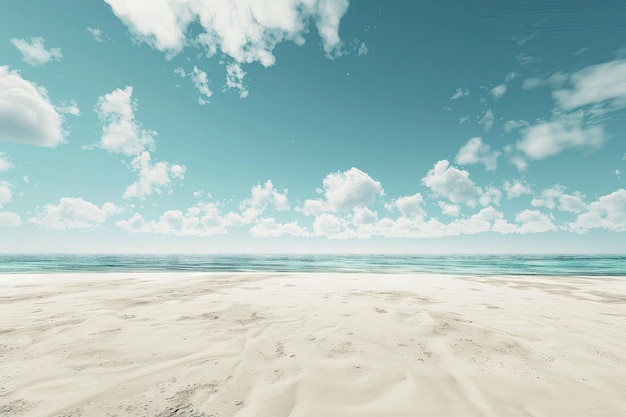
point(319, 345)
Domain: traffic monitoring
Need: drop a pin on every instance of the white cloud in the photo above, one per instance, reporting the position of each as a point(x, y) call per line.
point(460, 93)
point(516, 188)
point(26, 113)
point(152, 177)
point(5, 193)
point(363, 215)
point(69, 107)
point(180, 71)
point(617, 172)
point(487, 120)
point(566, 132)
point(511, 125)
point(5, 164)
point(73, 213)
point(533, 221)
point(594, 84)
point(464, 119)
point(97, 34)
point(498, 91)
point(120, 132)
point(344, 191)
point(234, 79)
point(261, 196)
point(475, 151)
point(363, 49)
point(452, 183)
point(268, 227)
point(201, 82)
point(330, 225)
point(9, 219)
point(608, 212)
point(35, 52)
point(556, 197)
point(491, 196)
point(409, 206)
point(207, 219)
point(555, 80)
point(449, 209)
point(245, 30)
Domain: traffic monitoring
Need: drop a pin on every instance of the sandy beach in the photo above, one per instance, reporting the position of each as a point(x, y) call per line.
point(274, 345)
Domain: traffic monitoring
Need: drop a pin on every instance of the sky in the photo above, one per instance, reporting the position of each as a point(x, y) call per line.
point(200, 126)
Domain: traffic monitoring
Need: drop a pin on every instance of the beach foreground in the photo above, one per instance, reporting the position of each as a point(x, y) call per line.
point(273, 345)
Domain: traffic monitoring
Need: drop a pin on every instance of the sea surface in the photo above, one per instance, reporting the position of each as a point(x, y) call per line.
point(588, 265)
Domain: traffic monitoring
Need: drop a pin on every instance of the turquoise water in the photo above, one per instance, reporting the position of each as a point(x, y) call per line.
point(614, 265)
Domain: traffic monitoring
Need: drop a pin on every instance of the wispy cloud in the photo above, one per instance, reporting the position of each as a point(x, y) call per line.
point(98, 35)
point(35, 52)
point(460, 93)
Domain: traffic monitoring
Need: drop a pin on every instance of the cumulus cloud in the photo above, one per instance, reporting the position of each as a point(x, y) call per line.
point(556, 197)
point(516, 188)
point(208, 219)
point(451, 183)
point(608, 212)
point(475, 151)
point(487, 120)
point(5, 163)
point(26, 113)
point(449, 209)
point(234, 79)
point(460, 93)
point(409, 206)
point(491, 196)
point(363, 215)
point(121, 133)
point(73, 213)
point(498, 91)
point(35, 52)
point(153, 177)
point(565, 132)
point(268, 227)
point(245, 30)
point(533, 221)
point(9, 219)
point(262, 196)
point(344, 191)
point(5, 193)
point(331, 226)
point(594, 84)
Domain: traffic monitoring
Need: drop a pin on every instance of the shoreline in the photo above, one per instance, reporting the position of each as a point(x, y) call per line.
point(311, 344)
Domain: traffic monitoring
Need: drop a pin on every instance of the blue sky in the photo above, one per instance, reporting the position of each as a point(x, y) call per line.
point(312, 125)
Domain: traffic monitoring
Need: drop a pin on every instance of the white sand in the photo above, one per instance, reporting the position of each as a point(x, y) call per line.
point(273, 345)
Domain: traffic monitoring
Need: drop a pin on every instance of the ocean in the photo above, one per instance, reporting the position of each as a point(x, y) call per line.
point(563, 265)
